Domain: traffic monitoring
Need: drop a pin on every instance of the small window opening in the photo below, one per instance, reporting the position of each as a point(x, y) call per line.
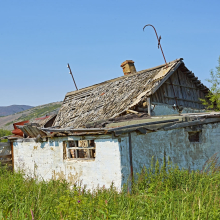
point(83, 149)
point(194, 136)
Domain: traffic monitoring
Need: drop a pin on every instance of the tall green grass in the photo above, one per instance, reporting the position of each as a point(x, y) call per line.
point(160, 192)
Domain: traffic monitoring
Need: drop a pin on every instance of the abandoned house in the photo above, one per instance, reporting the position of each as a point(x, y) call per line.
point(107, 132)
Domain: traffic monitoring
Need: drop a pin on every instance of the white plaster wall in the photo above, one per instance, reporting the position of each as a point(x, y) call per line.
point(175, 144)
point(45, 160)
point(164, 109)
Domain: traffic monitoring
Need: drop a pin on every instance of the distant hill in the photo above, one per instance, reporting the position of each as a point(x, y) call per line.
point(12, 109)
point(6, 122)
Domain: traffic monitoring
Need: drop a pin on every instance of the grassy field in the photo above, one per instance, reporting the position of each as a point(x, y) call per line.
point(158, 193)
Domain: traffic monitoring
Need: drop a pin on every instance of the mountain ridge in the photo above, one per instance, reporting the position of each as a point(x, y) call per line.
point(6, 122)
point(12, 109)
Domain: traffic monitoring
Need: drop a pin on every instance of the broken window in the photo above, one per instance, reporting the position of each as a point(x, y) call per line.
point(83, 149)
point(194, 136)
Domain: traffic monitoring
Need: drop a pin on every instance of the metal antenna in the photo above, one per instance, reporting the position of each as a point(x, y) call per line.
point(158, 39)
point(68, 66)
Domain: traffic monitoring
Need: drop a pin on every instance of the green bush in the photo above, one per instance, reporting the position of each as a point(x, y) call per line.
point(4, 133)
point(160, 192)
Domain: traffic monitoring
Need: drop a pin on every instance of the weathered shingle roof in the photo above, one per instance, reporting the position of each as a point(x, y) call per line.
point(111, 98)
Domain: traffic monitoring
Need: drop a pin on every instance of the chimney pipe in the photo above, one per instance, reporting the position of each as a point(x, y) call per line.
point(128, 67)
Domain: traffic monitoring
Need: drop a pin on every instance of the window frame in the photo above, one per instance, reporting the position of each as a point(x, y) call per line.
point(77, 148)
point(190, 138)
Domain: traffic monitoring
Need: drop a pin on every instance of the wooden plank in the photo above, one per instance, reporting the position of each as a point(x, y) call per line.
point(81, 148)
point(160, 95)
point(35, 130)
point(4, 144)
point(192, 123)
point(132, 111)
point(130, 158)
point(180, 79)
point(81, 158)
point(12, 153)
point(193, 93)
point(64, 150)
point(169, 93)
point(187, 100)
point(73, 130)
point(4, 162)
point(164, 87)
point(174, 92)
point(156, 97)
point(149, 106)
point(189, 92)
point(30, 133)
point(6, 156)
point(142, 124)
point(166, 77)
point(189, 87)
point(178, 89)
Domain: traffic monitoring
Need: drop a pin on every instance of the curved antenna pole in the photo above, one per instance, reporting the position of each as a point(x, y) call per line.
point(158, 39)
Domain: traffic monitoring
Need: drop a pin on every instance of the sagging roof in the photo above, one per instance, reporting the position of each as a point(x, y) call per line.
point(143, 126)
point(111, 98)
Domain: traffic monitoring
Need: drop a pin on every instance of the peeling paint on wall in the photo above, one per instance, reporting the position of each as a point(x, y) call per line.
point(174, 144)
point(45, 161)
point(112, 162)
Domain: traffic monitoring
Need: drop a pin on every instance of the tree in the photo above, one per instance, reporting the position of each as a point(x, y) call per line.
point(213, 97)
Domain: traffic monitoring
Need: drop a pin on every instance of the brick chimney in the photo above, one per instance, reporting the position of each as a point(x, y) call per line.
point(128, 67)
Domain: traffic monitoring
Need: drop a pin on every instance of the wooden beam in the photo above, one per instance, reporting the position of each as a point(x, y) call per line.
point(3, 162)
point(130, 159)
point(187, 100)
point(182, 86)
point(142, 124)
point(72, 130)
point(166, 77)
point(132, 111)
point(149, 106)
point(4, 144)
point(6, 156)
point(205, 89)
point(191, 75)
point(187, 72)
point(12, 154)
point(192, 123)
point(194, 79)
point(81, 148)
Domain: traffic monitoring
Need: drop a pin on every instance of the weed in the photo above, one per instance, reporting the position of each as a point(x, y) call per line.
point(162, 191)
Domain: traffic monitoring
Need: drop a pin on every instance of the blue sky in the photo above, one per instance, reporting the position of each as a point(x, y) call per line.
point(38, 39)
